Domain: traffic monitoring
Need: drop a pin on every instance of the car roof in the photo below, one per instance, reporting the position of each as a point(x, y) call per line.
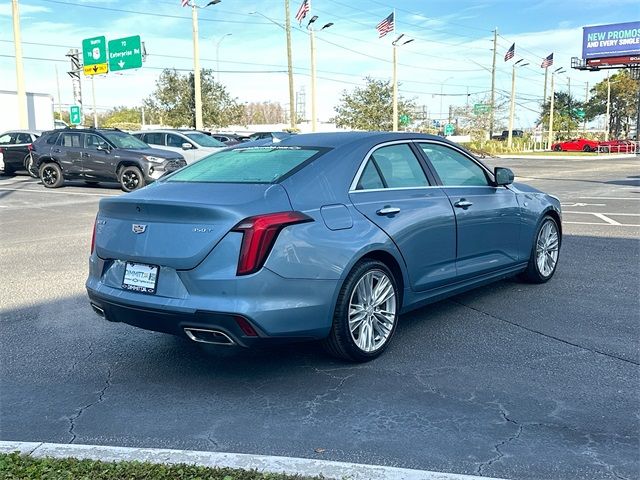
point(339, 139)
point(35, 132)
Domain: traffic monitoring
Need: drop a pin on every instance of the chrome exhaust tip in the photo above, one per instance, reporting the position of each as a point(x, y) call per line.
point(97, 309)
point(204, 335)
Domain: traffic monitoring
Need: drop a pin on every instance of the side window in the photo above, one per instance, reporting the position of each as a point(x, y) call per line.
point(94, 141)
point(454, 168)
point(52, 139)
point(174, 141)
point(23, 138)
point(73, 140)
point(370, 178)
point(399, 167)
point(7, 138)
point(154, 138)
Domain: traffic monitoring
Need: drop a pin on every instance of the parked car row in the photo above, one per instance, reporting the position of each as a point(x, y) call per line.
point(587, 145)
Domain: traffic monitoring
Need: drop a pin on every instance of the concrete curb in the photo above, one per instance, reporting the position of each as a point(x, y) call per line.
point(263, 463)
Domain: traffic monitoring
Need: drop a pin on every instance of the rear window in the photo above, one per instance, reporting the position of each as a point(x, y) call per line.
point(247, 165)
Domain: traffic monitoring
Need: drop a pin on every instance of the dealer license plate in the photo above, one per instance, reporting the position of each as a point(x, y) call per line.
point(140, 277)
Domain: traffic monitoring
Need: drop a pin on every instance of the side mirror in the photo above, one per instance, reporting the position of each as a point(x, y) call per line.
point(503, 176)
point(187, 146)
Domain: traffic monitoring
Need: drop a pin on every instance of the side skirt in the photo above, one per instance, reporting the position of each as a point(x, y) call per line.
point(414, 300)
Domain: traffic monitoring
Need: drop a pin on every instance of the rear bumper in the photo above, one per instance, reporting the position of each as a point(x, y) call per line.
point(279, 309)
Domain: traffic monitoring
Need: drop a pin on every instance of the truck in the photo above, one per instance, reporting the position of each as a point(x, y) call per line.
point(39, 111)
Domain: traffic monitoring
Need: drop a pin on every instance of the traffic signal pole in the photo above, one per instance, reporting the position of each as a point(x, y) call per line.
point(17, 43)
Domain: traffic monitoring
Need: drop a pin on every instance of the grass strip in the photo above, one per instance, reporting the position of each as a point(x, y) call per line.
point(15, 466)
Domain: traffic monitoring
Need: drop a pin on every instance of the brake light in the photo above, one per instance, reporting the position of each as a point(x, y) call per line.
point(30, 147)
point(93, 236)
point(259, 233)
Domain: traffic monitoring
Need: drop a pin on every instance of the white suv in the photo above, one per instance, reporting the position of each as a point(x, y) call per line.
point(193, 145)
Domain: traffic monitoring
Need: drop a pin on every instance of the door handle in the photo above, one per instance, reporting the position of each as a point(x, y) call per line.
point(388, 211)
point(56, 150)
point(462, 203)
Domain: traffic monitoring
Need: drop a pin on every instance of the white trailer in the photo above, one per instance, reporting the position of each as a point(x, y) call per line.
point(39, 111)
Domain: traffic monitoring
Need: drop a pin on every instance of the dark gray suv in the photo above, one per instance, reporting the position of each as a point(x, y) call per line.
point(100, 155)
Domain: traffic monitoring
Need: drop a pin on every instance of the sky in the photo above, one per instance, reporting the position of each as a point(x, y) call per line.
point(447, 63)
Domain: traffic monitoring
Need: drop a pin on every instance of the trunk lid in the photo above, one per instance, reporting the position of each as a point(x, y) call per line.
point(178, 224)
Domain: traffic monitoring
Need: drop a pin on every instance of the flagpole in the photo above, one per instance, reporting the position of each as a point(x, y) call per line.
point(197, 90)
point(312, 39)
point(292, 105)
point(395, 77)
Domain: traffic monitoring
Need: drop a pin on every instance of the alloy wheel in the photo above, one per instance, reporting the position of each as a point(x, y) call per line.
point(372, 310)
point(547, 247)
point(49, 175)
point(130, 180)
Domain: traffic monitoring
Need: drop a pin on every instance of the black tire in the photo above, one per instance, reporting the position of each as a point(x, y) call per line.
point(586, 148)
point(131, 178)
point(533, 274)
point(51, 175)
point(557, 148)
point(605, 150)
point(28, 166)
point(341, 343)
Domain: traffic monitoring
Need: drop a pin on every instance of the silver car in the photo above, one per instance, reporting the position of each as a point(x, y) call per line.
point(191, 144)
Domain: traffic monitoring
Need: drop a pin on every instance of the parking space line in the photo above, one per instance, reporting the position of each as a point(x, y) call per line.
point(609, 198)
point(601, 224)
point(58, 192)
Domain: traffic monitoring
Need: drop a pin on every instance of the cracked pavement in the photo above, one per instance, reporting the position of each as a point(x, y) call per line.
point(510, 380)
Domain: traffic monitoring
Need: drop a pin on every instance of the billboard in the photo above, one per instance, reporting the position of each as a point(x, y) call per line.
point(617, 40)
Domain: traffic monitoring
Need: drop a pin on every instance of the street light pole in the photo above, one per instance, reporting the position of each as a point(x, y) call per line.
point(218, 54)
point(493, 83)
point(512, 107)
point(17, 43)
point(197, 89)
point(551, 108)
point(606, 134)
point(395, 75)
point(197, 86)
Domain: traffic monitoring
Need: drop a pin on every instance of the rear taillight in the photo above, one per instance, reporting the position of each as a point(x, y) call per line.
point(1, 150)
point(259, 235)
point(93, 236)
point(30, 147)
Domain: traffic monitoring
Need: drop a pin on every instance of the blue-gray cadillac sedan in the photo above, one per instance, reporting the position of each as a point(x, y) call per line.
point(319, 237)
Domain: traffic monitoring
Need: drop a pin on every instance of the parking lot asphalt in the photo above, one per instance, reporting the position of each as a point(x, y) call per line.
point(510, 380)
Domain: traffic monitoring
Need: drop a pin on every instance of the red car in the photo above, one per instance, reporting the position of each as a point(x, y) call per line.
point(617, 146)
point(577, 145)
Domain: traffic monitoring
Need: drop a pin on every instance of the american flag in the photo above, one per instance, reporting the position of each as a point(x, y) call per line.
point(184, 3)
point(385, 26)
point(302, 11)
point(547, 62)
point(510, 53)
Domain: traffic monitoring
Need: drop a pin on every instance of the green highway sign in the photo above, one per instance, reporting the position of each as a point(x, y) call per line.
point(125, 53)
point(579, 112)
point(75, 115)
point(449, 129)
point(404, 120)
point(481, 108)
point(94, 51)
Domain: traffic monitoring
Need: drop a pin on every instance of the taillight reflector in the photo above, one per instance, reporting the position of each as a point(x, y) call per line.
point(259, 235)
point(93, 236)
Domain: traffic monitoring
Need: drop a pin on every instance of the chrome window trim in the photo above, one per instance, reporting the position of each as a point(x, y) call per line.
point(356, 179)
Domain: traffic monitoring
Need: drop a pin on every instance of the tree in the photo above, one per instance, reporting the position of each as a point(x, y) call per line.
point(624, 102)
point(122, 117)
point(263, 113)
point(565, 117)
point(370, 107)
point(173, 101)
point(476, 122)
